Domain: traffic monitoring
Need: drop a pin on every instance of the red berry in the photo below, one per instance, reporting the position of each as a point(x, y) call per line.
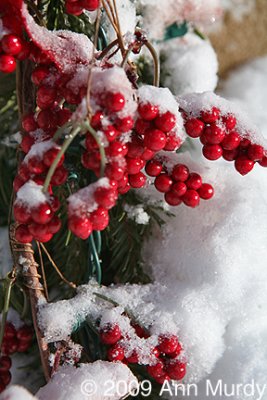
point(42, 214)
point(105, 197)
point(176, 370)
point(115, 353)
point(39, 74)
point(73, 8)
point(206, 191)
point(135, 147)
point(133, 358)
point(210, 116)
point(91, 160)
point(26, 143)
point(177, 352)
point(263, 162)
point(110, 334)
point(229, 121)
point(140, 331)
point(255, 152)
point(96, 120)
point(111, 133)
point(180, 172)
point(63, 116)
point(45, 96)
point(11, 44)
point(80, 226)
point(23, 346)
point(134, 165)
point(212, 151)
point(141, 126)
point(21, 213)
point(115, 102)
point(10, 331)
point(115, 149)
point(156, 370)
point(50, 156)
point(90, 5)
point(36, 165)
point(231, 141)
point(7, 63)
point(38, 230)
point(194, 181)
point(194, 127)
point(162, 379)
point(54, 225)
point(230, 155)
point(54, 204)
point(155, 139)
point(124, 124)
point(163, 183)
point(213, 134)
point(172, 199)
point(172, 143)
point(179, 188)
point(28, 123)
point(17, 183)
point(25, 333)
point(100, 219)
point(5, 377)
point(147, 155)
point(9, 346)
point(47, 119)
point(22, 234)
point(166, 122)
point(191, 198)
point(60, 176)
point(137, 180)
point(153, 168)
point(245, 143)
point(5, 364)
point(115, 170)
point(168, 343)
point(244, 165)
point(148, 111)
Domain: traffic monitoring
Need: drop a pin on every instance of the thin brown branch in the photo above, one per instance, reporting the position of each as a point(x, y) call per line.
point(71, 284)
point(43, 270)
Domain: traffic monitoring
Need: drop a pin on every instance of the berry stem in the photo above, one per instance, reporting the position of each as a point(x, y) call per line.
point(155, 57)
point(108, 48)
point(75, 131)
point(95, 259)
point(9, 280)
point(101, 147)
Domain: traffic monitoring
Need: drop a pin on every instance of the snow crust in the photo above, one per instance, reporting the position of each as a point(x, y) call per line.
point(31, 195)
point(89, 382)
point(194, 103)
point(39, 149)
point(190, 65)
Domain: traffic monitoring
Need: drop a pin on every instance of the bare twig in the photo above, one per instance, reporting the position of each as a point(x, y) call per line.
point(42, 269)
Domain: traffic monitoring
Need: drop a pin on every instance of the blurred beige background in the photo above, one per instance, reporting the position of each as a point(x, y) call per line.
point(238, 41)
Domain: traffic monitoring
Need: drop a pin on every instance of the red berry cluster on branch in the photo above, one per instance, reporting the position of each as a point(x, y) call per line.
point(77, 7)
point(14, 340)
point(220, 136)
point(180, 186)
point(165, 363)
point(12, 47)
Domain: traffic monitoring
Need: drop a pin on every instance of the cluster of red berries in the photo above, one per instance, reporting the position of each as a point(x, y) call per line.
point(77, 7)
point(220, 138)
point(166, 364)
point(180, 186)
point(12, 48)
point(14, 340)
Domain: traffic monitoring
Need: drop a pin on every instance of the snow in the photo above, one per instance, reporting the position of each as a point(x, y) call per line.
point(16, 392)
point(137, 213)
point(65, 48)
point(157, 17)
point(164, 99)
point(83, 202)
point(39, 149)
point(31, 195)
point(238, 8)
point(97, 381)
point(189, 64)
point(252, 95)
point(194, 103)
